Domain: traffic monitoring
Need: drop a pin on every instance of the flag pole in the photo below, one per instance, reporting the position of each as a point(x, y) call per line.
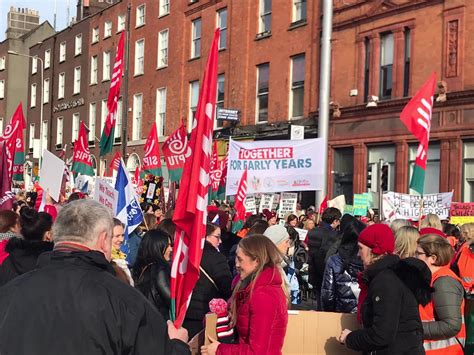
point(125, 84)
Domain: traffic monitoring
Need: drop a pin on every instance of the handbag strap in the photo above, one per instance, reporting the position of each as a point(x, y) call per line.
point(208, 277)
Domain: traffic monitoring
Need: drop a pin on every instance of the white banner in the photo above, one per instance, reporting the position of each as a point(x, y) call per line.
point(396, 205)
point(275, 166)
point(251, 205)
point(266, 202)
point(287, 203)
point(105, 194)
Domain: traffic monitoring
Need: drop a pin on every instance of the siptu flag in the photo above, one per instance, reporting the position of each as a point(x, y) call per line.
point(223, 180)
point(128, 209)
point(114, 164)
point(239, 206)
point(13, 138)
point(6, 195)
point(138, 181)
point(152, 159)
point(215, 172)
point(176, 150)
point(107, 138)
point(190, 215)
point(417, 118)
point(323, 206)
point(81, 161)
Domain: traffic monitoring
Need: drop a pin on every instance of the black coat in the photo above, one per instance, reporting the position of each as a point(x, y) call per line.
point(154, 284)
point(73, 304)
point(336, 292)
point(390, 315)
point(23, 257)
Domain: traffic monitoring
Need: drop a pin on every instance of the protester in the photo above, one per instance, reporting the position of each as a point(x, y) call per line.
point(292, 220)
point(270, 216)
point(259, 227)
point(279, 236)
point(150, 221)
point(214, 281)
point(464, 260)
point(75, 304)
point(405, 241)
point(24, 252)
point(339, 291)
point(259, 301)
point(249, 222)
point(443, 324)
point(9, 228)
point(431, 221)
point(399, 223)
point(152, 272)
point(119, 257)
point(309, 225)
point(390, 300)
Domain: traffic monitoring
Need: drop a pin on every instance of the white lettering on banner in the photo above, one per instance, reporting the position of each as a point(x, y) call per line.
point(274, 166)
point(403, 206)
point(287, 203)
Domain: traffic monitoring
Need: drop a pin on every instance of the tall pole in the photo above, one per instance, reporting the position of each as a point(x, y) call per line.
point(324, 92)
point(41, 113)
point(125, 91)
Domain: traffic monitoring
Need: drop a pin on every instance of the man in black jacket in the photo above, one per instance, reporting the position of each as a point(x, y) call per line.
point(73, 303)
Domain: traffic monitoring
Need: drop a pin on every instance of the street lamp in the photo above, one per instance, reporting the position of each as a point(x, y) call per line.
point(42, 98)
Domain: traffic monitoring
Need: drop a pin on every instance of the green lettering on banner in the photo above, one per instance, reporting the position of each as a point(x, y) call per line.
point(349, 209)
point(361, 203)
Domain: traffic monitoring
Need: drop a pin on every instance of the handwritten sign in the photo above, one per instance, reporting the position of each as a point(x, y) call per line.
point(287, 203)
point(462, 213)
point(361, 204)
point(251, 205)
point(266, 202)
point(403, 206)
point(105, 194)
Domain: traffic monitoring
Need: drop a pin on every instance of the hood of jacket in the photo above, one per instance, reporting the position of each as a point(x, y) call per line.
point(24, 253)
point(91, 258)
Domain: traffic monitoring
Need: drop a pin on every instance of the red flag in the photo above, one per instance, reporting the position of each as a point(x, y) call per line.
point(176, 150)
point(190, 215)
point(152, 160)
point(82, 162)
point(13, 138)
point(114, 164)
point(241, 196)
point(323, 205)
point(215, 169)
point(107, 138)
point(138, 182)
point(6, 196)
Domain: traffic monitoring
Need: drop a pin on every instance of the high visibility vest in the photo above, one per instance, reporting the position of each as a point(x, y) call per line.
point(466, 268)
point(450, 346)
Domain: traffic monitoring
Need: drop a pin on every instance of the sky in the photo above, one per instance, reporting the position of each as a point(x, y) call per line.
point(45, 8)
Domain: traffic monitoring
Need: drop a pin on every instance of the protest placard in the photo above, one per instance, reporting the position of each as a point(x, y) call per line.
point(251, 205)
point(404, 206)
point(361, 204)
point(349, 209)
point(461, 212)
point(276, 202)
point(287, 203)
point(51, 174)
point(105, 194)
point(266, 202)
point(302, 233)
point(338, 202)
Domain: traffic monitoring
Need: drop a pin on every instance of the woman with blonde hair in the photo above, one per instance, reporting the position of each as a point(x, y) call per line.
point(259, 304)
point(443, 325)
point(431, 221)
point(405, 242)
point(464, 261)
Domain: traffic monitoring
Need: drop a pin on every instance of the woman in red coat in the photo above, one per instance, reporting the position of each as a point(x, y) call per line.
point(259, 304)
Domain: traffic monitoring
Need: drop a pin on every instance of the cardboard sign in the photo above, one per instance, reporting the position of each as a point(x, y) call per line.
point(403, 206)
point(105, 194)
point(266, 202)
point(51, 174)
point(302, 233)
point(251, 205)
point(151, 190)
point(349, 209)
point(361, 204)
point(339, 202)
point(287, 203)
point(276, 202)
point(462, 213)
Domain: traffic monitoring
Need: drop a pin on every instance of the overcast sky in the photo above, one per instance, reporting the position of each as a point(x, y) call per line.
point(45, 8)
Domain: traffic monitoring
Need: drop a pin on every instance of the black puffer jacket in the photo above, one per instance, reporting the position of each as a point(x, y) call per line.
point(23, 257)
point(392, 324)
point(340, 290)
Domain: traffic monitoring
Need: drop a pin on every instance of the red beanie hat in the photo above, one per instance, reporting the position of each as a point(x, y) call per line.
point(268, 214)
point(379, 238)
point(430, 230)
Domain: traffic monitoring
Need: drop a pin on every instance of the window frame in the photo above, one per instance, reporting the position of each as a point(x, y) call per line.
point(77, 81)
point(33, 94)
point(107, 29)
point(192, 108)
point(34, 65)
point(94, 74)
point(137, 120)
point(62, 52)
point(75, 124)
point(59, 132)
point(139, 62)
point(46, 90)
point(304, 13)
point(121, 24)
point(140, 17)
point(95, 35)
point(47, 58)
point(78, 44)
point(223, 36)
point(263, 13)
point(61, 88)
point(162, 52)
point(386, 70)
point(161, 110)
point(260, 95)
point(163, 4)
point(92, 121)
point(106, 66)
point(196, 38)
point(296, 85)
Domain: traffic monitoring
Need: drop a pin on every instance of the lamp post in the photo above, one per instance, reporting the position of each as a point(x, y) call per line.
point(42, 98)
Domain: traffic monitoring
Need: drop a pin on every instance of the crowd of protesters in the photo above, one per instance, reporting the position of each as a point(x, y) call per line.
point(67, 287)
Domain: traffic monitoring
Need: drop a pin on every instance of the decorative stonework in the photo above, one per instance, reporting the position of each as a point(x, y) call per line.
point(453, 48)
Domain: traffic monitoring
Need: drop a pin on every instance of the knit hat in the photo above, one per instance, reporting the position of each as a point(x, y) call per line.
point(277, 234)
point(430, 230)
point(268, 214)
point(379, 238)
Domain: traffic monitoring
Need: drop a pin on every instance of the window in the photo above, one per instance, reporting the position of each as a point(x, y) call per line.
point(78, 45)
point(120, 23)
point(59, 130)
point(265, 23)
point(164, 8)
point(31, 135)
point(47, 58)
point(95, 35)
point(367, 69)
point(92, 117)
point(77, 80)
point(107, 29)
point(2, 63)
point(2, 89)
point(220, 98)
point(299, 11)
point(94, 69)
point(139, 57)
point(61, 82)
point(196, 40)
point(468, 172)
point(103, 114)
point(297, 86)
point(137, 117)
point(161, 111)
point(222, 24)
point(118, 121)
point(432, 167)
point(406, 71)
point(163, 48)
point(62, 52)
point(193, 102)
point(34, 65)
point(46, 91)
point(106, 66)
point(386, 64)
point(44, 137)
point(33, 95)
point(75, 126)
point(140, 16)
point(263, 71)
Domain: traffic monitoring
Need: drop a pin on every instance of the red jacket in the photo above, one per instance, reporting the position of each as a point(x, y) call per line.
point(262, 317)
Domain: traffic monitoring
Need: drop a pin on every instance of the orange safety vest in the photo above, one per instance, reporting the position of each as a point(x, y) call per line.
point(450, 346)
point(466, 268)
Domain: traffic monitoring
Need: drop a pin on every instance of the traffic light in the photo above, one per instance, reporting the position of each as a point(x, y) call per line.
point(384, 177)
point(372, 178)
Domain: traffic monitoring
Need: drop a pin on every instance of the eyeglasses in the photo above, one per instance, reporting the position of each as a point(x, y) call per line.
point(418, 253)
point(218, 237)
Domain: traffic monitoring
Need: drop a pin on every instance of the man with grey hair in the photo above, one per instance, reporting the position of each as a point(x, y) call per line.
point(73, 303)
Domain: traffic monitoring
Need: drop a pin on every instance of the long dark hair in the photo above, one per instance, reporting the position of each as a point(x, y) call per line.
point(34, 224)
point(152, 249)
point(350, 233)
